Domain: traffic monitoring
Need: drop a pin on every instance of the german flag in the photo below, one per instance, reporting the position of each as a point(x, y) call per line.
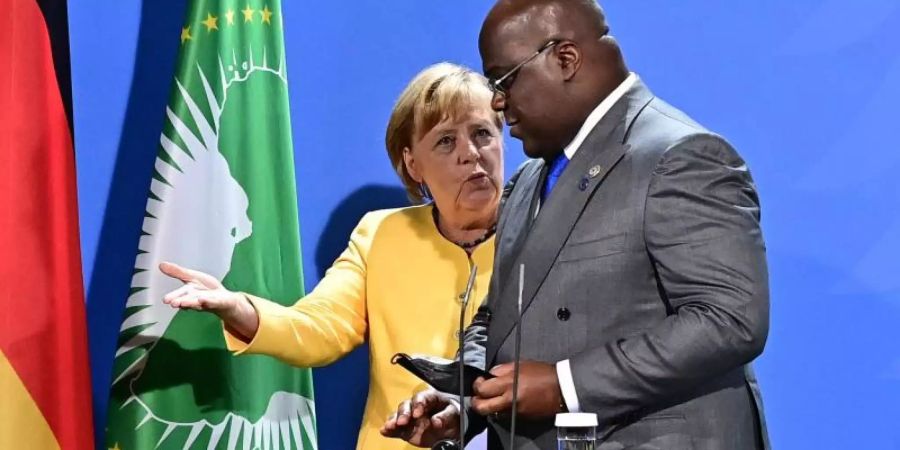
point(45, 399)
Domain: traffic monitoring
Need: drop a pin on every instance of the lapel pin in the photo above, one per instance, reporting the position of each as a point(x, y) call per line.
point(594, 171)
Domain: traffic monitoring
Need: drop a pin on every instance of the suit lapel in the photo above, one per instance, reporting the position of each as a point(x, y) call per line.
point(543, 240)
point(517, 216)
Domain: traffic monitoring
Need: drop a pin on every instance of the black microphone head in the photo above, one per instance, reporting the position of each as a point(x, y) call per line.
point(447, 444)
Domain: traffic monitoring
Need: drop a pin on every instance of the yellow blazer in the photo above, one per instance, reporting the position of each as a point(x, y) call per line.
point(398, 284)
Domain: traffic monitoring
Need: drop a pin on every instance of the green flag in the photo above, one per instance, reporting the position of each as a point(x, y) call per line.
point(222, 200)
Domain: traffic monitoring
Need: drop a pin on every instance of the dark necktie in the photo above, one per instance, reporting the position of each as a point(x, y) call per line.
point(556, 169)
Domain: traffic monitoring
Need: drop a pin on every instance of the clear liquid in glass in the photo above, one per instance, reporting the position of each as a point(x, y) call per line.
point(575, 444)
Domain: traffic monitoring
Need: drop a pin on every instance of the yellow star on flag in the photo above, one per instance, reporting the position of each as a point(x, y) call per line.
point(266, 14)
point(248, 13)
point(230, 16)
point(115, 447)
point(211, 22)
point(186, 34)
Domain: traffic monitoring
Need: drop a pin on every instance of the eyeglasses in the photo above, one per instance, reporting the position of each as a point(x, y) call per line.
point(501, 85)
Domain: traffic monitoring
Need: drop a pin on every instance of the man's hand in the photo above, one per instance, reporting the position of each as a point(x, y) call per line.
point(539, 392)
point(424, 420)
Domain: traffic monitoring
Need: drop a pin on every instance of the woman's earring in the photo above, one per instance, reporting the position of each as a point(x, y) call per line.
point(423, 188)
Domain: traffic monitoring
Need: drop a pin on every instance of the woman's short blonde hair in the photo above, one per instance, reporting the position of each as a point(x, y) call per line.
point(441, 91)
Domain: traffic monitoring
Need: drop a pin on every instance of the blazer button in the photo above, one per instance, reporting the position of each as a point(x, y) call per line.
point(563, 314)
point(583, 185)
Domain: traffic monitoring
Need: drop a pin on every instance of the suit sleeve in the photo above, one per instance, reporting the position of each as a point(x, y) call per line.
point(476, 334)
point(475, 345)
point(324, 325)
point(702, 231)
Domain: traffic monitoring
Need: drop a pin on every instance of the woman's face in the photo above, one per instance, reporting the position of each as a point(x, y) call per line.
point(461, 162)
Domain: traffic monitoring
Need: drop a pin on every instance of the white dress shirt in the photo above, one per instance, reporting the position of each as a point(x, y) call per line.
point(563, 371)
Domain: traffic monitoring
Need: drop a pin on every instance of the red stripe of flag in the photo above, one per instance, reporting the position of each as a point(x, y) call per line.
point(42, 316)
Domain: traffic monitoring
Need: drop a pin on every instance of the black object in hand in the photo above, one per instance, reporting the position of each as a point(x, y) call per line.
point(441, 374)
point(446, 444)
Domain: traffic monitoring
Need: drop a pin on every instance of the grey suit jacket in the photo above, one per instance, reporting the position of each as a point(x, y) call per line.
point(646, 269)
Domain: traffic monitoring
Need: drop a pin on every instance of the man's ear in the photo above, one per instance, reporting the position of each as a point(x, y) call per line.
point(570, 58)
point(410, 162)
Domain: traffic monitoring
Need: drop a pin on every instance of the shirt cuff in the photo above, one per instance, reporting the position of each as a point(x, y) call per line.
point(567, 386)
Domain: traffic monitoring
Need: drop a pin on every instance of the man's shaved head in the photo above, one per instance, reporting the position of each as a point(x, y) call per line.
point(581, 20)
point(580, 68)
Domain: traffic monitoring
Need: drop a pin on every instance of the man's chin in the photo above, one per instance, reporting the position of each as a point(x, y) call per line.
point(533, 151)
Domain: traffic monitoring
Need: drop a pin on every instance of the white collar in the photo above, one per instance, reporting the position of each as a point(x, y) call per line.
point(594, 117)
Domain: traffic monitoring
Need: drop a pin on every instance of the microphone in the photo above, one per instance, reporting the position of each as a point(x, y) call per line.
point(449, 444)
point(462, 356)
point(517, 357)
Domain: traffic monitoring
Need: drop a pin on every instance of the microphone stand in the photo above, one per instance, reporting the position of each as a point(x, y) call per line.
point(517, 358)
point(462, 357)
point(448, 444)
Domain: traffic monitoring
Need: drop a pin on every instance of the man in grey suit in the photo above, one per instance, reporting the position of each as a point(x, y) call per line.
point(645, 289)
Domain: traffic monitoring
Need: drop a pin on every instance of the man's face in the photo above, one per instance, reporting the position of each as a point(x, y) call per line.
point(531, 95)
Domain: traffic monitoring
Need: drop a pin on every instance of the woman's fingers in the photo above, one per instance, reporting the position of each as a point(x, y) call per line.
point(175, 271)
point(202, 291)
point(180, 292)
point(188, 275)
point(213, 301)
point(189, 300)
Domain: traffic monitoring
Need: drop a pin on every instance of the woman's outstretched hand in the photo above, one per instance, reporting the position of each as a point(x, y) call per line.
point(203, 292)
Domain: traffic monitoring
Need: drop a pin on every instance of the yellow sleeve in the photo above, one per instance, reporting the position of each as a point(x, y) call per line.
point(324, 325)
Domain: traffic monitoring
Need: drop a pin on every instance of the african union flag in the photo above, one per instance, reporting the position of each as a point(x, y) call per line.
point(222, 200)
